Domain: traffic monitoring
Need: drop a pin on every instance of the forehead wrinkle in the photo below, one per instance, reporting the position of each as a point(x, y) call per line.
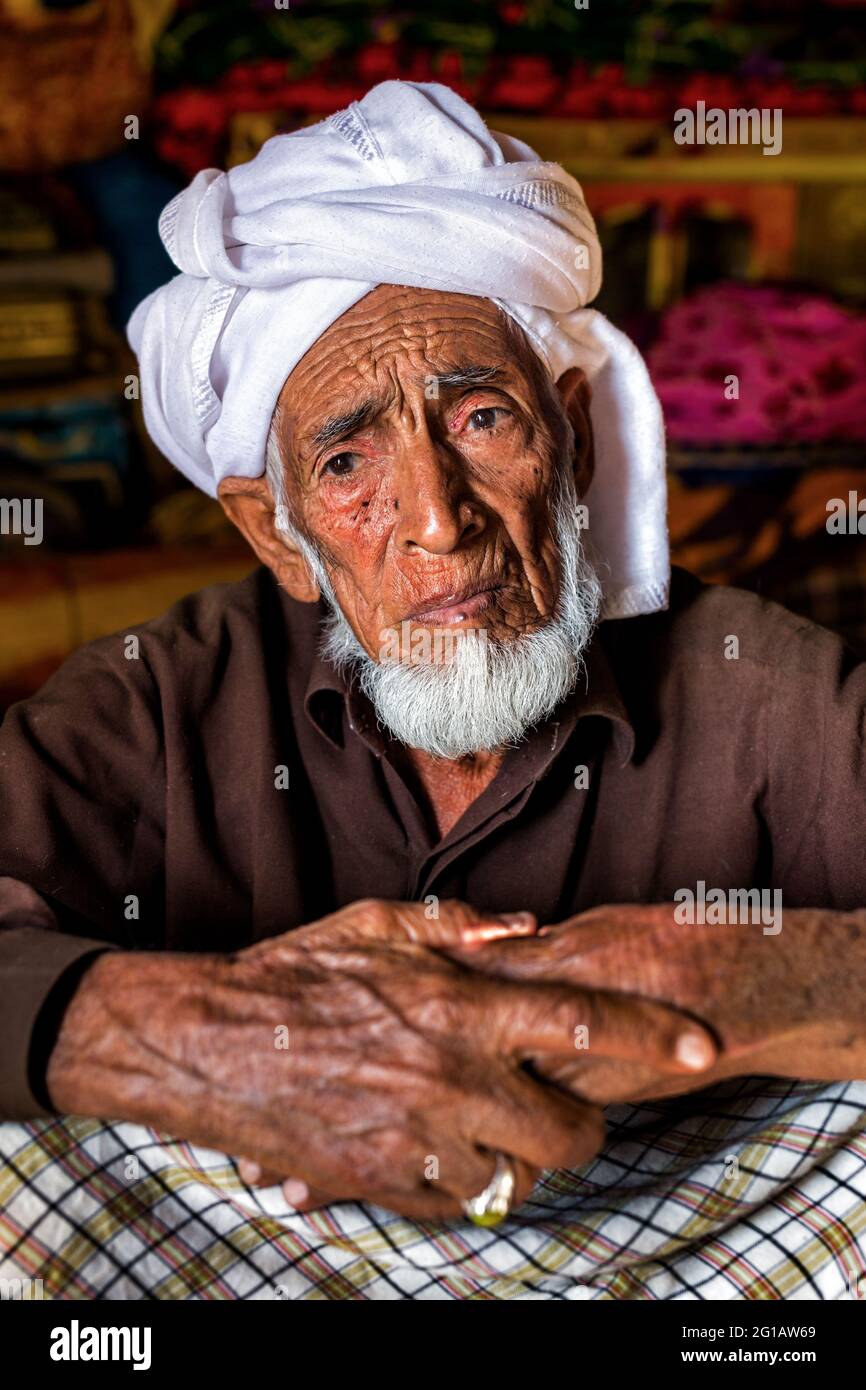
point(421, 307)
point(423, 331)
point(382, 334)
point(422, 321)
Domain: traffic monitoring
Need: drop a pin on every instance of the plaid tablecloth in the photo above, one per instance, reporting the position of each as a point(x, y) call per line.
point(756, 1189)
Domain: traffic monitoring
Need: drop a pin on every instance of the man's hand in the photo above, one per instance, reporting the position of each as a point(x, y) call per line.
point(358, 1060)
point(789, 1004)
point(622, 1027)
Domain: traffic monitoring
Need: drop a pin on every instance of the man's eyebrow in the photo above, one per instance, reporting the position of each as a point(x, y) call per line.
point(468, 376)
point(341, 426)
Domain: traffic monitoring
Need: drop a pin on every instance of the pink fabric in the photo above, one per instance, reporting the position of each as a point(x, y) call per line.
point(799, 358)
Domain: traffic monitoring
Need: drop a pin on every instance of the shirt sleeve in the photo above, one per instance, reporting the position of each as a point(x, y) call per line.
point(40, 967)
point(81, 848)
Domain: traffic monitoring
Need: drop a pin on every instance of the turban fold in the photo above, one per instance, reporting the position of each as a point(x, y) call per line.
point(406, 187)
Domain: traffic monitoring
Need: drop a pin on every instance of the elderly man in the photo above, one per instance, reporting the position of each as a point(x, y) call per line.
point(258, 852)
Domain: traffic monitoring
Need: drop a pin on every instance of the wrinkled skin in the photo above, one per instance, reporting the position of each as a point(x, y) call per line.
point(783, 1005)
point(396, 1055)
point(434, 493)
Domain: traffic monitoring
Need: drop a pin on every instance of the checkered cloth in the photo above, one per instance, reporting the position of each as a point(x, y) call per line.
point(756, 1189)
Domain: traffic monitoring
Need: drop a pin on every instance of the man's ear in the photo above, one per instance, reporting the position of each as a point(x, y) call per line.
point(247, 502)
point(575, 393)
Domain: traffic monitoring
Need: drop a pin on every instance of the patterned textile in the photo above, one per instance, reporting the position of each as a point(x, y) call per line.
point(799, 358)
point(756, 1189)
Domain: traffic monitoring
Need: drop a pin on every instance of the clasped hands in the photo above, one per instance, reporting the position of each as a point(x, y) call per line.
point(500, 1037)
point(379, 1055)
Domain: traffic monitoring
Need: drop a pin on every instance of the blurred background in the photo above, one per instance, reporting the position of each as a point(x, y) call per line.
point(720, 261)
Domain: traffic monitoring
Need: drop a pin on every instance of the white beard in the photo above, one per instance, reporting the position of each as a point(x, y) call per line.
point(490, 693)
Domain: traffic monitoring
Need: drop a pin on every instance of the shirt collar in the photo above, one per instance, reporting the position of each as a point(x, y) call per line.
point(600, 695)
point(325, 697)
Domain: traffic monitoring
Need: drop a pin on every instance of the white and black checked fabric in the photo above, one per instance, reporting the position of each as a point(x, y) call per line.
point(756, 1190)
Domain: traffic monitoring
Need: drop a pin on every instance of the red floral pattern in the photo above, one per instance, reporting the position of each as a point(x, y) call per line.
point(798, 360)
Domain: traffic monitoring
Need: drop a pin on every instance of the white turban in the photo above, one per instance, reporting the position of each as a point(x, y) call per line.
point(406, 187)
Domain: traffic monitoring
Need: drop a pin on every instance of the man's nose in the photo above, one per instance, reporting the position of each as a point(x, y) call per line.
point(434, 508)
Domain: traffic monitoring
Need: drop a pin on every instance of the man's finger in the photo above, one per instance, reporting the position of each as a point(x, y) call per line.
point(460, 1182)
point(255, 1174)
point(520, 1019)
point(449, 923)
point(603, 1081)
point(465, 1171)
point(298, 1193)
point(457, 923)
point(538, 1124)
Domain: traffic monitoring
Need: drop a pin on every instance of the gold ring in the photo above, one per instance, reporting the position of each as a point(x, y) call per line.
point(493, 1204)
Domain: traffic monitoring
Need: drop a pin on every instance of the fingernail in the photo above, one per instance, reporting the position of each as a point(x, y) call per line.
point(295, 1191)
point(507, 924)
point(249, 1170)
point(695, 1051)
point(519, 921)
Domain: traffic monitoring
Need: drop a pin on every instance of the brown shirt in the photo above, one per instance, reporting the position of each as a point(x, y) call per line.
point(221, 786)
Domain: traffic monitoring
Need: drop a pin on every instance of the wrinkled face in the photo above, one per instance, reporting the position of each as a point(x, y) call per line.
point(421, 436)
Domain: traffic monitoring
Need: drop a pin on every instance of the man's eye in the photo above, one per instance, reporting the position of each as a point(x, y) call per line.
point(485, 418)
point(340, 465)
